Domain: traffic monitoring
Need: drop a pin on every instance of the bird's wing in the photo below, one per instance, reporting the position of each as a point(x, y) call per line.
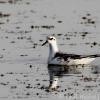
point(65, 56)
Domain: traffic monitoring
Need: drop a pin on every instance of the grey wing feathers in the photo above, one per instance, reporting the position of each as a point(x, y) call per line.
point(74, 56)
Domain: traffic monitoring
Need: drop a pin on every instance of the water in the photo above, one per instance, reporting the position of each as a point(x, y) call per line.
point(24, 25)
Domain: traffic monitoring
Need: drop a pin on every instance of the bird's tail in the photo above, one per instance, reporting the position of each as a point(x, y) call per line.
point(95, 55)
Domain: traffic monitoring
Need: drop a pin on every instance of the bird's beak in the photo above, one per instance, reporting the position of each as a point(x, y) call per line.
point(45, 43)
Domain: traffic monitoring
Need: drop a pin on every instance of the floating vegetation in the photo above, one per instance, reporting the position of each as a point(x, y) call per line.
point(88, 20)
point(2, 1)
point(75, 34)
point(12, 42)
point(1, 56)
point(2, 23)
point(4, 15)
point(72, 44)
point(42, 27)
point(13, 1)
point(45, 16)
point(40, 40)
point(59, 21)
point(87, 43)
point(13, 87)
point(83, 34)
point(23, 55)
point(94, 44)
point(59, 34)
point(47, 27)
point(67, 38)
point(20, 37)
point(29, 86)
point(9, 1)
point(2, 75)
point(30, 66)
point(35, 45)
point(87, 79)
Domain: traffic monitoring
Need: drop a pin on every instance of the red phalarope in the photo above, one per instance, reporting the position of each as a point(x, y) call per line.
point(59, 58)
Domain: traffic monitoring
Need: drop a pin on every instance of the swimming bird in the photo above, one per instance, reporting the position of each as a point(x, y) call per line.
point(59, 58)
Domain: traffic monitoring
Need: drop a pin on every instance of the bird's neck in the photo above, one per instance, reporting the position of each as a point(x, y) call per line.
point(53, 50)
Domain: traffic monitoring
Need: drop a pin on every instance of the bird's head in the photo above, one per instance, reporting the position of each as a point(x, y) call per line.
point(50, 40)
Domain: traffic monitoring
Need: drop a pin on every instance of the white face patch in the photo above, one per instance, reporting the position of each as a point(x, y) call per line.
point(51, 40)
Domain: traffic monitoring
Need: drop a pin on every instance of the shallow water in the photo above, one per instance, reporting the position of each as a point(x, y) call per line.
point(24, 25)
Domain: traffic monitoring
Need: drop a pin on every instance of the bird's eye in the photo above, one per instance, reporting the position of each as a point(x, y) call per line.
point(50, 38)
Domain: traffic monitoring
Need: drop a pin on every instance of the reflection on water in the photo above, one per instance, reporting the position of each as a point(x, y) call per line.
point(57, 72)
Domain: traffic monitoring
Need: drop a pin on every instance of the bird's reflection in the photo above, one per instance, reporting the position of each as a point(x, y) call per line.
point(56, 72)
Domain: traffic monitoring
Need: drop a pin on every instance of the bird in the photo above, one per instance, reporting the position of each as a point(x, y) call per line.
point(57, 57)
